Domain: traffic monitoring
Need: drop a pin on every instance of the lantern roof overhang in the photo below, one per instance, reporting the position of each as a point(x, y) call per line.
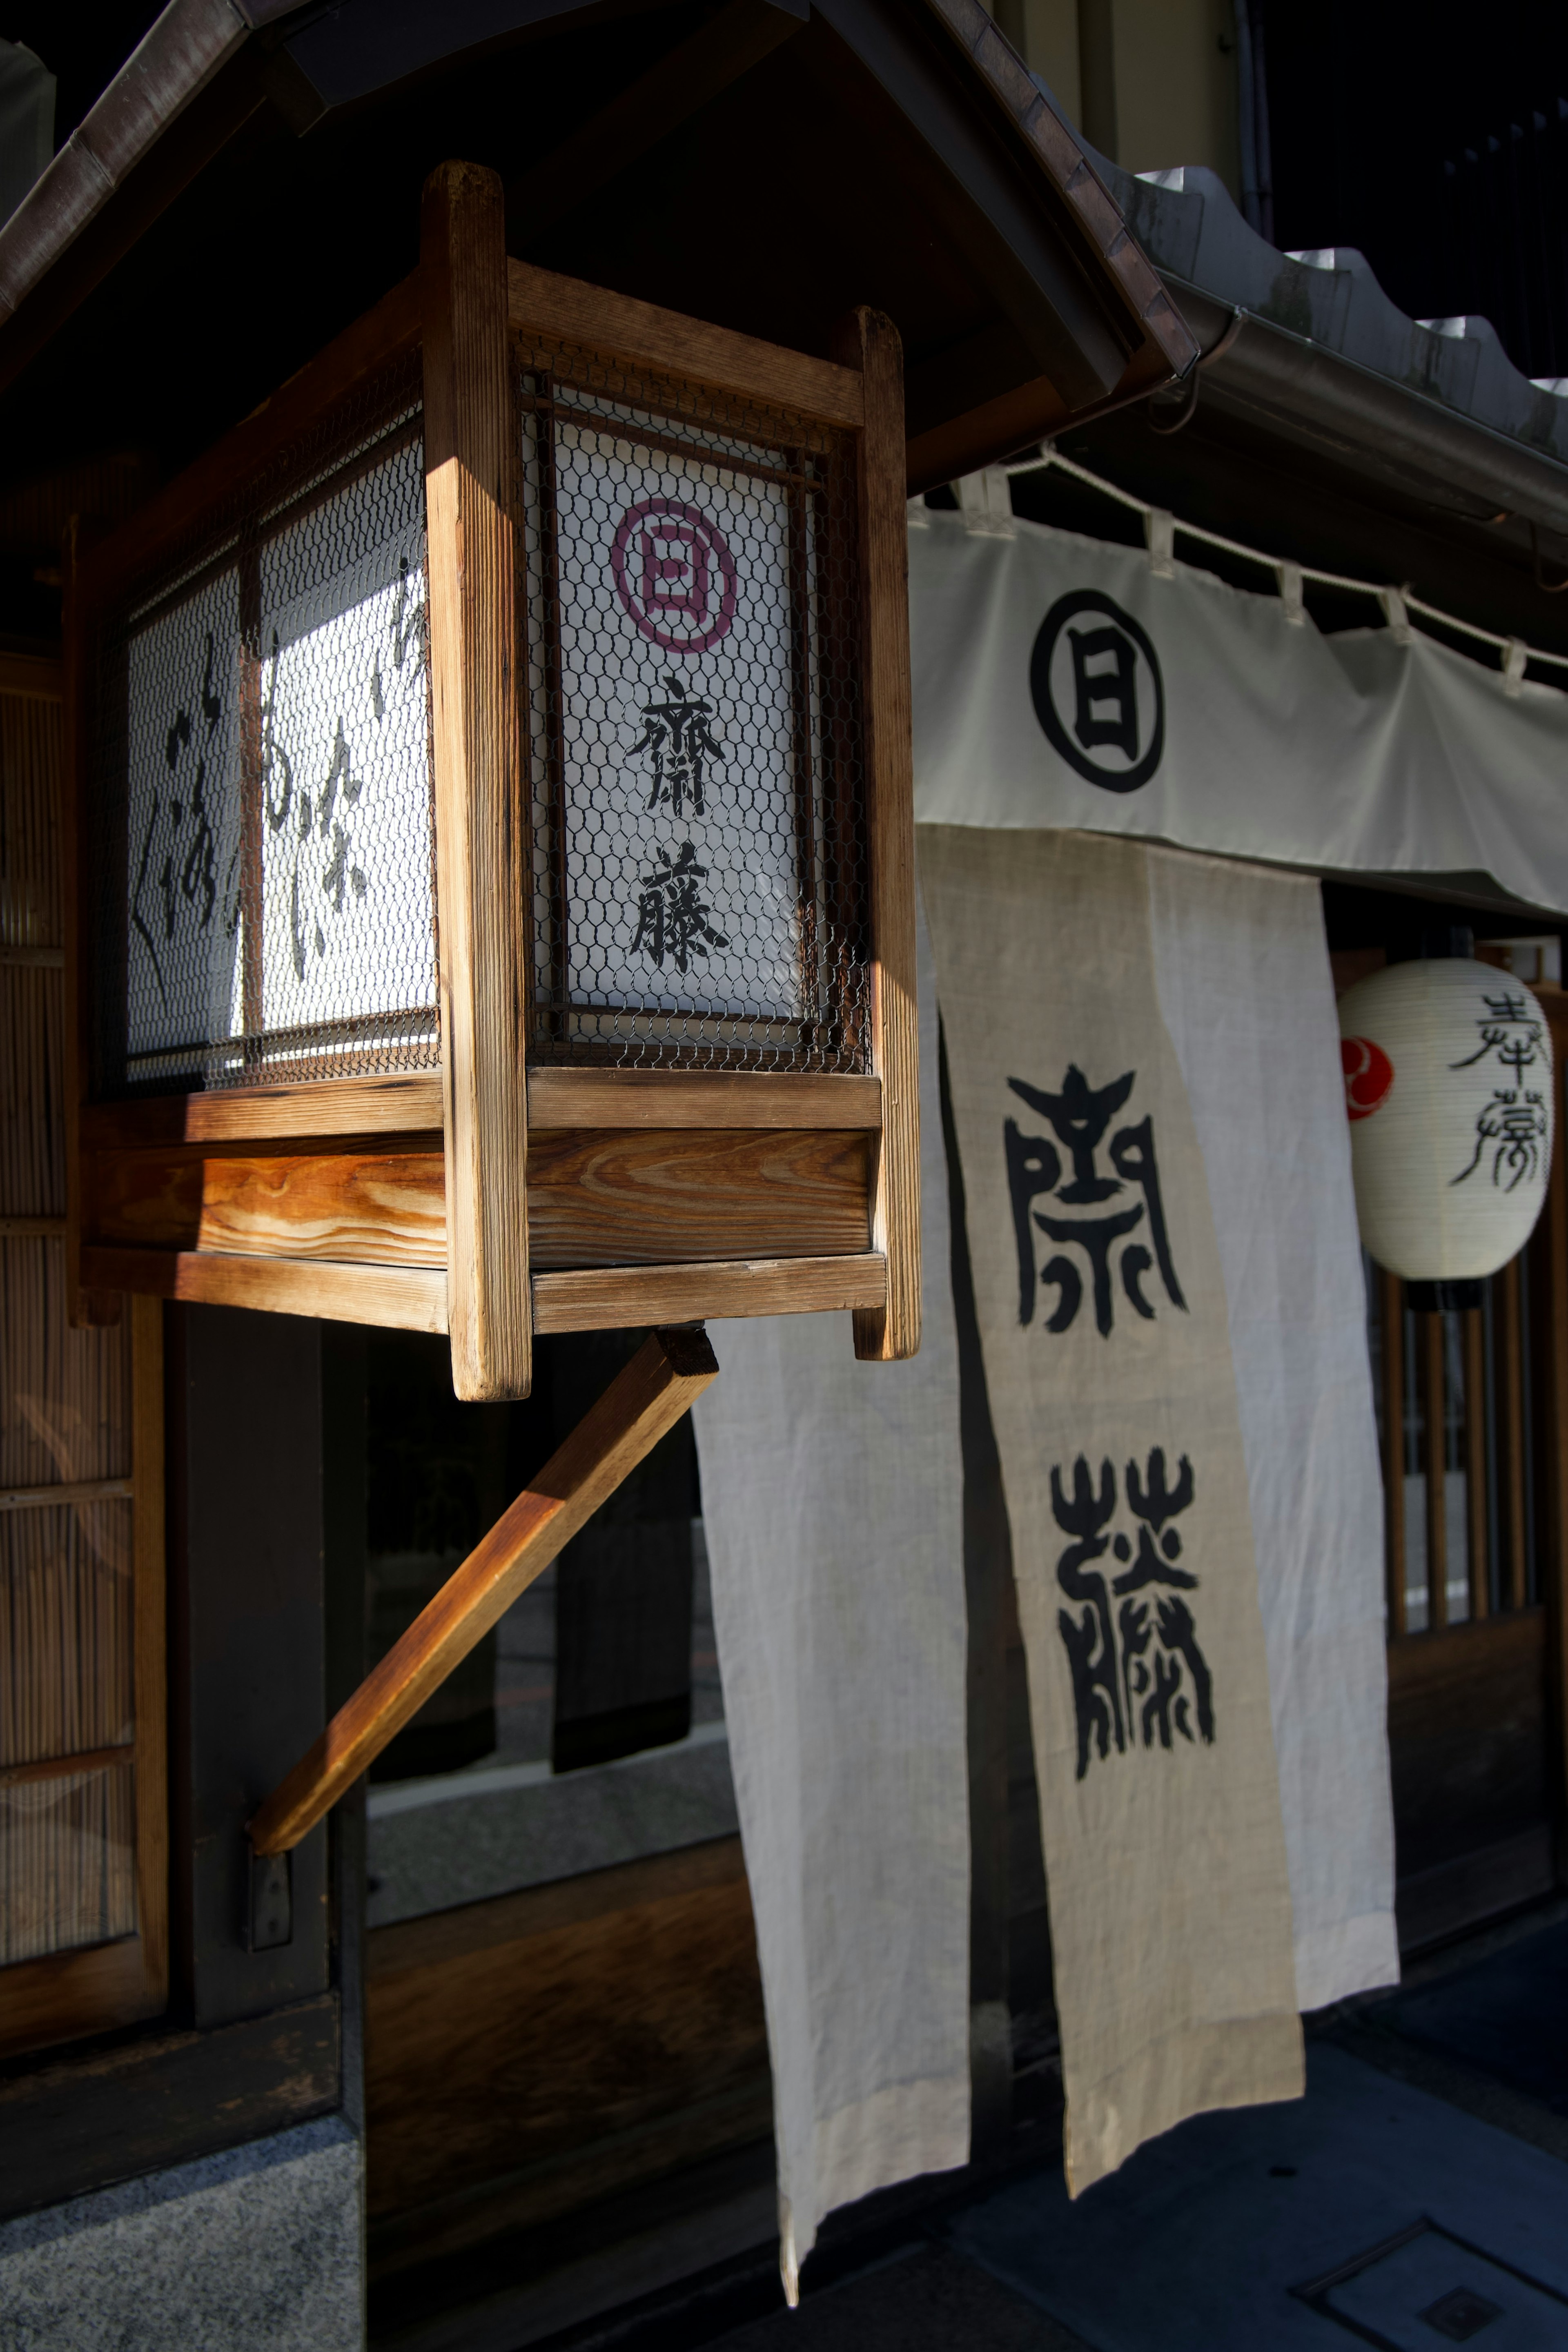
point(250, 182)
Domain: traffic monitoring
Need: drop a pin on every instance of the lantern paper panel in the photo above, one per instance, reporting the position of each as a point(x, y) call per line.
point(182, 848)
point(279, 894)
point(692, 893)
point(348, 908)
point(1450, 1094)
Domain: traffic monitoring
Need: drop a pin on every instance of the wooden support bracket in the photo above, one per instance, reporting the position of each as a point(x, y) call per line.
point(663, 1379)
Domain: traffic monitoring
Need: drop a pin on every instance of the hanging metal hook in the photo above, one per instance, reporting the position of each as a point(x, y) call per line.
point(1546, 587)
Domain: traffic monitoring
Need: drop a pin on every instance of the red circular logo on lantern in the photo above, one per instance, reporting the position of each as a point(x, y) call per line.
point(675, 575)
point(1369, 1076)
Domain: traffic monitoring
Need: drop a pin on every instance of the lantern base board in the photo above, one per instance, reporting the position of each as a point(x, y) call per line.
point(1457, 1297)
point(596, 1197)
point(557, 1098)
point(413, 1298)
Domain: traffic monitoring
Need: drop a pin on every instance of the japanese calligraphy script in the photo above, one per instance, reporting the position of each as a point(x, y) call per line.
point(678, 742)
point(1114, 1220)
point(673, 916)
point(183, 880)
point(1138, 1673)
point(1512, 1127)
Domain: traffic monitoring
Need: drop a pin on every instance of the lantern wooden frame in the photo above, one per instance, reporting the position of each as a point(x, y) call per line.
point(491, 1199)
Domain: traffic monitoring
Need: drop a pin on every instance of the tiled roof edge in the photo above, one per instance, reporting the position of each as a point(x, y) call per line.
point(1076, 172)
point(1189, 225)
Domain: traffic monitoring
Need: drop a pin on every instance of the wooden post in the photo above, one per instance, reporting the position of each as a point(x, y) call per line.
point(869, 341)
point(1551, 1321)
point(1433, 1415)
point(1390, 1303)
point(150, 1638)
point(1510, 1414)
point(661, 1382)
point(1476, 1542)
point(84, 1308)
point(471, 468)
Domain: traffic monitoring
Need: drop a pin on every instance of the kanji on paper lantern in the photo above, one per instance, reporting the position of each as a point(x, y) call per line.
point(1448, 1088)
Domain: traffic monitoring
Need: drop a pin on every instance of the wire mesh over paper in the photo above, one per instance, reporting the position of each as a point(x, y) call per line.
point(266, 878)
point(691, 624)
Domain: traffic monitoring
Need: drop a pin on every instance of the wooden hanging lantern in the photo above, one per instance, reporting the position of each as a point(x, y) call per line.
point(494, 851)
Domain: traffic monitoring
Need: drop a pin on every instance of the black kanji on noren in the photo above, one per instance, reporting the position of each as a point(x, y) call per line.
point(1079, 1115)
point(1138, 1673)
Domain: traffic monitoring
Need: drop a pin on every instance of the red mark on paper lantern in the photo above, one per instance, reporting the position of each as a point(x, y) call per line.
point(675, 575)
point(1369, 1076)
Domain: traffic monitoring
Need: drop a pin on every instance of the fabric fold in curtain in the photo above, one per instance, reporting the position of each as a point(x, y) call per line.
point(1105, 1330)
point(832, 1497)
point(1059, 681)
point(1242, 968)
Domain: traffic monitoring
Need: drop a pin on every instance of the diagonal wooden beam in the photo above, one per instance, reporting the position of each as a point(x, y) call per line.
point(663, 1379)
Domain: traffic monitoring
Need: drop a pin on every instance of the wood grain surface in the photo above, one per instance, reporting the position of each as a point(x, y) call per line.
point(404, 1298)
point(470, 462)
point(68, 1994)
point(363, 1208)
point(659, 1196)
point(605, 1298)
point(645, 1400)
point(871, 343)
point(564, 1098)
point(596, 1197)
point(689, 348)
point(559, 2049)
point(1468, 1734)
point(322, 1107)
point(1548, 1260)
point(328, 1107)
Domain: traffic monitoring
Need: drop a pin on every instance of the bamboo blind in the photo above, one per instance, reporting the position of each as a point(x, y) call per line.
point(67, 1856)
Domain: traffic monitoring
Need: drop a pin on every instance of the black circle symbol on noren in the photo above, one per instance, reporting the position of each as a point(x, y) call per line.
point(1097, 691)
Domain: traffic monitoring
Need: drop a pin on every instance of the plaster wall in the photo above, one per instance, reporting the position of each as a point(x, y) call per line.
point(258, 2250)
point(1150, 83)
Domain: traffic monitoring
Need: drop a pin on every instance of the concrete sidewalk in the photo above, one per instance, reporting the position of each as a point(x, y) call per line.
point(1417, 2194)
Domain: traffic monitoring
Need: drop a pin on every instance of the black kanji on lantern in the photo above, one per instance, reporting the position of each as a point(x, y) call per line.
point(672, 916)
point(177, 887)
point(1513, 1126)
point(1137, 1675)
point(678, 742)
point(1079, 1117)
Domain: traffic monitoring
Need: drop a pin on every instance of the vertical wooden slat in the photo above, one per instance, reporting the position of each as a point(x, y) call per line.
point(82, 1306)
point(1549, 1322)
point(470, 465)
point(1391, 1307)
point(1511, 1446)
point(869, 341)
point(149, 1638)
point(85, 1893)
point(252, 670)
point(1431, 1331)
point(1476, 1465)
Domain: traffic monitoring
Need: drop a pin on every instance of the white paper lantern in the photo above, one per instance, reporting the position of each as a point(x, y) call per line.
point(1449, 1085)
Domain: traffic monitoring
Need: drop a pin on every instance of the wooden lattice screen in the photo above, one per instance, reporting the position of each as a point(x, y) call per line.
point(83, 1855)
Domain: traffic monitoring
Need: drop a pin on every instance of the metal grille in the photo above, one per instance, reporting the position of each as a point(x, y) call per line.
point(264, 884)
point(694, 725)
